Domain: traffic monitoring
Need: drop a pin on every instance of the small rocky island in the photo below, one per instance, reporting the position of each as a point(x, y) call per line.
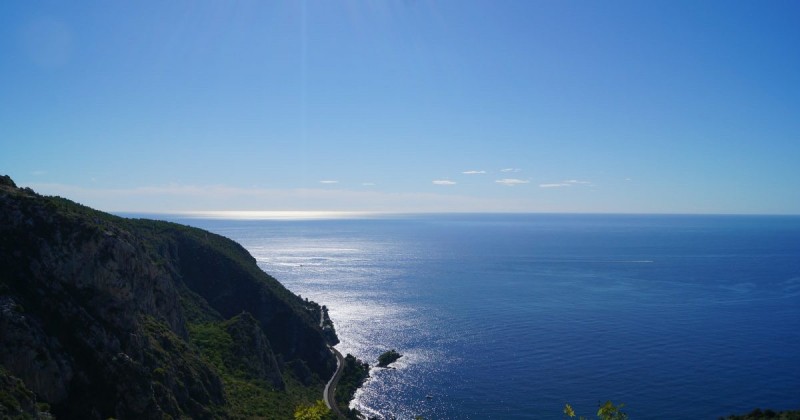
point(388, 357)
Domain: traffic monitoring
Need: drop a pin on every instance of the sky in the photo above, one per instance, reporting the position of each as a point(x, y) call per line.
point(404, 106)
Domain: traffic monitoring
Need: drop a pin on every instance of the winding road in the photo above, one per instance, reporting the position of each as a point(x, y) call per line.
point(330, 388)
point(329, 394)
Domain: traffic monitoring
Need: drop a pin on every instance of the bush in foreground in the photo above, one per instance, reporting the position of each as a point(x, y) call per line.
point(607, 411)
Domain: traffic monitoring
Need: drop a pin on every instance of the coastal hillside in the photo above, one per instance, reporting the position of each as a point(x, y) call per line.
point(103, 316)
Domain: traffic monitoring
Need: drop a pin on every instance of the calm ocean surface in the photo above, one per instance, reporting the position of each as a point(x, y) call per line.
point(511, 316)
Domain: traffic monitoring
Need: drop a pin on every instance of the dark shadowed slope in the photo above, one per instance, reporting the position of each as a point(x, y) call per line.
point(102, 316)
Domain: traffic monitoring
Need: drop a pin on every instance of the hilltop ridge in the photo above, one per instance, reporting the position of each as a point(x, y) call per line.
point(103, 316)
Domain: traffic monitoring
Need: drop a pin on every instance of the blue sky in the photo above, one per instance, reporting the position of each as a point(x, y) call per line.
point(540, 106)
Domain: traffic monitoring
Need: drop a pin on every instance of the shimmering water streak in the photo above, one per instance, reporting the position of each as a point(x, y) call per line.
point(511, 316)
point(277, 215)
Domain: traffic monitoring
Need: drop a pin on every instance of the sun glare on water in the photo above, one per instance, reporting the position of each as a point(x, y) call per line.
point(278, 215)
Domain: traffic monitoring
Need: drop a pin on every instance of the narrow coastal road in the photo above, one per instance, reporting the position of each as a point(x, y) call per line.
point(330, 387)
point(329, 394)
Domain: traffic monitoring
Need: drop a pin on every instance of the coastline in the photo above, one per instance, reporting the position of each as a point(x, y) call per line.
point(326, 262)
point(329, 392)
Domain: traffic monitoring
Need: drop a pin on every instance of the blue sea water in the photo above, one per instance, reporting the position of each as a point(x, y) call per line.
point(512, 316)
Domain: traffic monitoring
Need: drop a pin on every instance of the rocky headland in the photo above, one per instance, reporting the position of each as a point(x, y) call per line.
point(107, 317)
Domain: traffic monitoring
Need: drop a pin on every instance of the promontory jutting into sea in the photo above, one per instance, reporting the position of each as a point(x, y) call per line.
point(512, 316)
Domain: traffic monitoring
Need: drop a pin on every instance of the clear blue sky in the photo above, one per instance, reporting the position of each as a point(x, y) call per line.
point(574, 106)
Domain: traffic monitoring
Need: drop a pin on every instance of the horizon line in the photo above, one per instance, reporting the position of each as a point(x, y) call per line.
point(349, 214)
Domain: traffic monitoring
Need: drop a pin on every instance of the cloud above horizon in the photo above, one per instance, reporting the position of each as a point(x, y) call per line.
point(328, 181)
point(510, 182)
point(443, 182)
point(511, 170)
point(473, 172)
point(567, 183)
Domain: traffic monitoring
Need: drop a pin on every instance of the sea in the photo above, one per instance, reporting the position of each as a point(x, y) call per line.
point(512, 316)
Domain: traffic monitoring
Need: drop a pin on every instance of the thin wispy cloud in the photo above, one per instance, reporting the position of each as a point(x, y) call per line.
point(567, 183)
point(510, 182)
point(443, 182)
point(473, 172)
point(510, 170)
point(327, 181)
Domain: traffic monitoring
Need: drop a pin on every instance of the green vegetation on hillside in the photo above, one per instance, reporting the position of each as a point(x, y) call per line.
point(253, 386)
point(17, 402)
point(104, 316)
point(354, 374)
point(316, 411)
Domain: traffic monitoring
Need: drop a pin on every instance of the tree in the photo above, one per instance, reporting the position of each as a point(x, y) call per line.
point(316, 411)
point(607, 411)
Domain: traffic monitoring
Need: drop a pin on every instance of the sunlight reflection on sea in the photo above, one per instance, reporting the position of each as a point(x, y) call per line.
point(511, 316)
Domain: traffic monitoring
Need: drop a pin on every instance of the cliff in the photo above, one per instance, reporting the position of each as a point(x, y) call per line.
point(102, 316)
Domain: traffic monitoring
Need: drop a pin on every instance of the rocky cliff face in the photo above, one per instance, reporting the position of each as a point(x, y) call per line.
point(97, 314)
